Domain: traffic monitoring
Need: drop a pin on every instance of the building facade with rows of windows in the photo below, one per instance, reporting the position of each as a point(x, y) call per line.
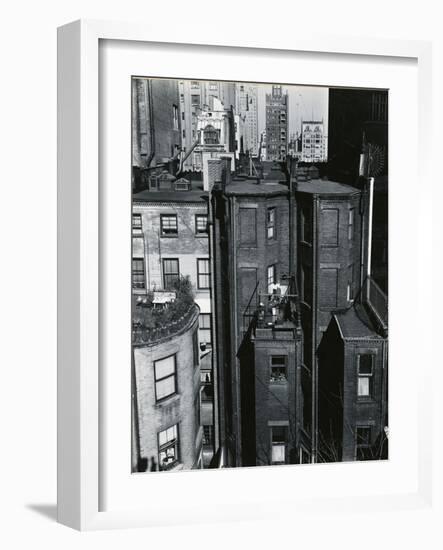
point(301, 326)
point(170, 239)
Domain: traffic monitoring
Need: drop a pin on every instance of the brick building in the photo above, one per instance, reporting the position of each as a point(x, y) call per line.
point(170, 239)
point(337, 302)
point(259, 342)
point(156, 127)
point(277, 116)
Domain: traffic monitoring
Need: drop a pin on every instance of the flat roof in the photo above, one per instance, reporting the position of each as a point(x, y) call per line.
point(196, 194)
point(326, 187)
point(354, 323)
point(248, 188)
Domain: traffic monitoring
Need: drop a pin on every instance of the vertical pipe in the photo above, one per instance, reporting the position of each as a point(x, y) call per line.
point(370, 210)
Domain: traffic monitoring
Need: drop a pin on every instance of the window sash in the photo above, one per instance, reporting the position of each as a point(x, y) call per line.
point(168, 224)
point(167, 436)
point(364, 386)
point(270, 222)
point(278, 453)
point(201, 223)
point(168, 444)
point(271, 277)
point(165, 387)
point(164, 367)
point(171, 271)
point(203, 274)
point(365, 364)
point(138, 273)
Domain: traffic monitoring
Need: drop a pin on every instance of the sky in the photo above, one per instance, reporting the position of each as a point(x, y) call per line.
point(305, 102)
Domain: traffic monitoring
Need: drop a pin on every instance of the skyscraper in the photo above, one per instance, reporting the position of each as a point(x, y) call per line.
point(247, 101)
point(277, 124)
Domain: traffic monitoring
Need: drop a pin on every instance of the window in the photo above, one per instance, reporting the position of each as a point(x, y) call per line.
point(183, 115)
point(279, 439)
point(165, 377)
point(138, 273)
point(351, 224)
point(204, 326)
point(184, 133)
point(195, 99)
point(210, 135)
point(365, 366)
point(175, 116)
point(279, 370)
point(270, 223)
point(136, 223)
point(271, 277)
point(203, 273)
point(168, 447)
point(168, 225)
point(208, 435)
point(171, 272)
point(201, 224)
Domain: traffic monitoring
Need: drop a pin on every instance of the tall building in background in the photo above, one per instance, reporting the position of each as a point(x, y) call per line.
point(277, 116)
point(314, 143)
point(156, 127)
point(248, 109)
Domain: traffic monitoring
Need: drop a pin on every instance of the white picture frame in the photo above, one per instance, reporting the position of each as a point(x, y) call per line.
point(80, 368)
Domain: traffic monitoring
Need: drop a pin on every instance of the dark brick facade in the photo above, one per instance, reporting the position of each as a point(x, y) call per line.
point(250, 235)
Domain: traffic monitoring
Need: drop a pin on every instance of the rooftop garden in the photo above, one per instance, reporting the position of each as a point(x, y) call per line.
point(152, 321)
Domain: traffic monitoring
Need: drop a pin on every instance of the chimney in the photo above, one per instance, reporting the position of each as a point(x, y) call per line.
point(214, 173)
point(226, 171)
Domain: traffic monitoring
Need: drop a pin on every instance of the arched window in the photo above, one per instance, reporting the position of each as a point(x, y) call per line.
point(210, 135)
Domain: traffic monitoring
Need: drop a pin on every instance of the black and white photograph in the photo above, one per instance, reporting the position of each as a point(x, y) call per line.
point(259, 274)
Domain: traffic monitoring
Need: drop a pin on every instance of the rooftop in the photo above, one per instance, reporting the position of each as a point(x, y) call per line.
point(326, 187)
point(153, 321)
point(354, 323)
point(249, 188)
point(195, 194)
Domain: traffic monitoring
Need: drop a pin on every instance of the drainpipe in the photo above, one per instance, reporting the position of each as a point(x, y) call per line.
point(370, 210)
point(151, 123)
